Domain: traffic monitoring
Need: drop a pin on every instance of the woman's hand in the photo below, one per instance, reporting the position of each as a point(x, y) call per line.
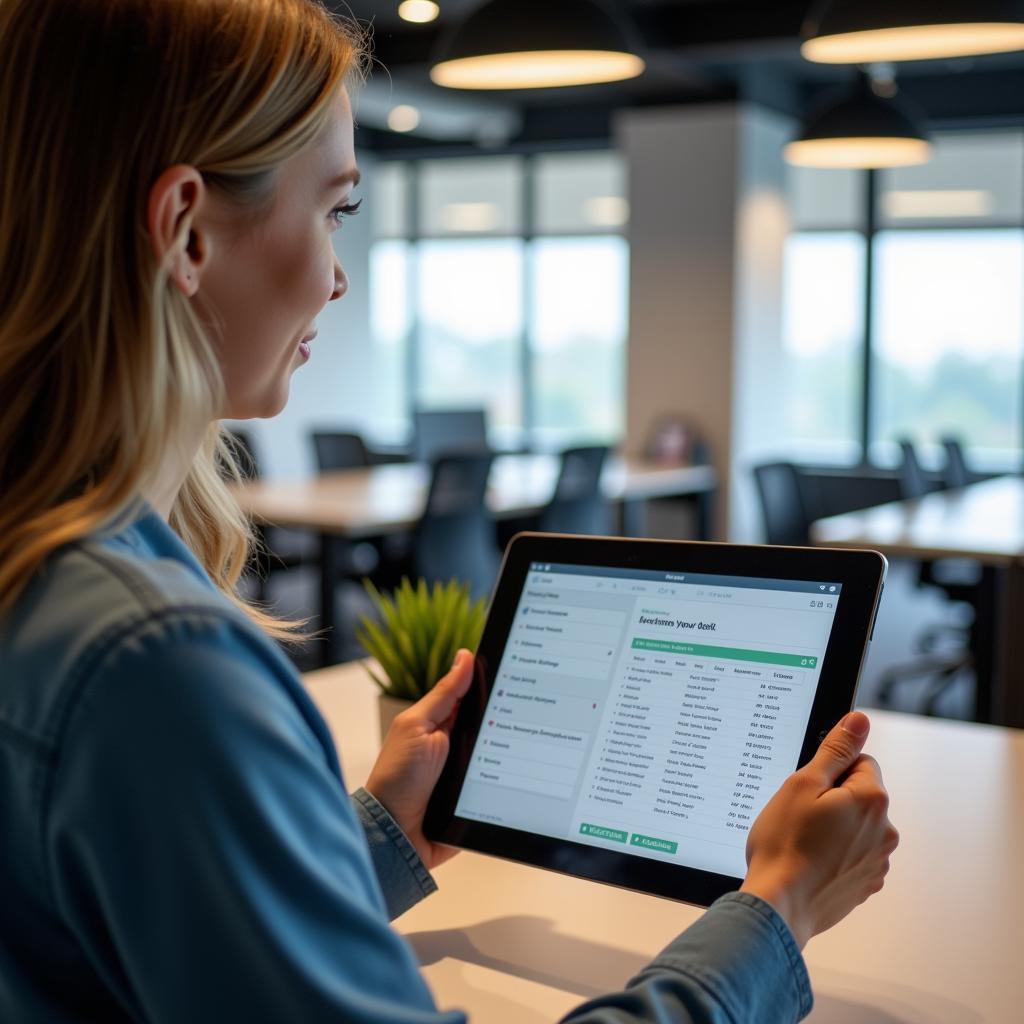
point(821, 845)
point(413, 754)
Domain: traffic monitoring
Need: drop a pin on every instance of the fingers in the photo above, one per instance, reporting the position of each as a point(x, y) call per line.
point(440, 702)
point(840, 749)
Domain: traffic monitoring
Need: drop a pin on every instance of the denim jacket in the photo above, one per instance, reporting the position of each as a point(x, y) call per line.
point(177, 844)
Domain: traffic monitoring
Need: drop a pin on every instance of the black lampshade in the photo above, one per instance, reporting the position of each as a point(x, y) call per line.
point(525, 44)
point(868, 31)
point(857, 128)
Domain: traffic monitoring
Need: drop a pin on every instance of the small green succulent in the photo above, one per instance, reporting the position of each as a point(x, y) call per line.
point(419, 631)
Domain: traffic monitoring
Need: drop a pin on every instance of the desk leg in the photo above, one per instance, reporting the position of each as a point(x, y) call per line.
point(1007, 689)
point(328, 577)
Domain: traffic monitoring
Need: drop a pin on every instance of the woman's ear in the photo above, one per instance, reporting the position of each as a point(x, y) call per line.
point(180, 244)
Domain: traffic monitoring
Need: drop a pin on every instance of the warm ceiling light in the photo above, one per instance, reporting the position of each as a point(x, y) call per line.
point(937, 203)
point(858, 129)
point(536, 44)
point(418, 11)
point(858, 154)
point(403, 118)
point(870, 31)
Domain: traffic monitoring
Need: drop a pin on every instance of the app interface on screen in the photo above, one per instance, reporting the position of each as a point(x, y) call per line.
point(653, 713)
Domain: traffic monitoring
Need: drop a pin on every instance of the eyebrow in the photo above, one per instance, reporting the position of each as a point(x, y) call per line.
point(352, 178)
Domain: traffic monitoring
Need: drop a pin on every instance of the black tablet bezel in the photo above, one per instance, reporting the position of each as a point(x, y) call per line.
point(861, 573)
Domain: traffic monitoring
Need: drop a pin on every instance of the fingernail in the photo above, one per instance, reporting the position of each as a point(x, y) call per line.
point(856, 724)
point(460, 658)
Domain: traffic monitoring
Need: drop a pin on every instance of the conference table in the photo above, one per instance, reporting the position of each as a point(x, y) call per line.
point(356, 504)
point(939, 944)
point(983, 522)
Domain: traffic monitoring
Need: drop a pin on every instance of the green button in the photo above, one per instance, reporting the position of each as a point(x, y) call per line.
point(601, 832)
point(650, 843)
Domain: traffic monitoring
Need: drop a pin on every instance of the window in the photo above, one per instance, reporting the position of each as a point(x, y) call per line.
point(946, 328)
point(514, 275)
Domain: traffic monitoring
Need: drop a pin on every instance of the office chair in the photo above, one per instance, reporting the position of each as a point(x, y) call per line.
point(336, 450)
point(455, 537)
point(788, 503)
point(440, 431)
point(578, 506)
point(955, 473)
point(277, 549)
point(958, 579)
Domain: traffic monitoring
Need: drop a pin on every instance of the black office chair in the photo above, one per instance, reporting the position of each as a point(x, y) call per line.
point(788, 503)
point(578, 505)
point(955, 473)
point(959, 580)
point(441, 431)
point(277, 549)
point(455, 538)
point(335, 450)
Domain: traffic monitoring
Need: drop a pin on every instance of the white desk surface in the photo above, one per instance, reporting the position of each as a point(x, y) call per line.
point(382, 499)
point(941, 944)
point(984, 521)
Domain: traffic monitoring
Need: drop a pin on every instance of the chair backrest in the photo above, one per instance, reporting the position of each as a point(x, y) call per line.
point(455, 538)
point(339, 450)
point(440, 431)
point(784, 506)
point(578, 506)
point(955, 473)
point(913, 482)
point(245, 454)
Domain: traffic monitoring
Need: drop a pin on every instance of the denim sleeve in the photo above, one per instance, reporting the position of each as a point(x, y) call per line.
point(403, 876)
point(202, 849)
point(738, 964)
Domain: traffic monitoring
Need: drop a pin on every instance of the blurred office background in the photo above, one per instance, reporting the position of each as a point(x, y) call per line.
point(601, 266)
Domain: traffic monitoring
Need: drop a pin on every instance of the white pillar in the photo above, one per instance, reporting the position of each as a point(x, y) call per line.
point(708, 222)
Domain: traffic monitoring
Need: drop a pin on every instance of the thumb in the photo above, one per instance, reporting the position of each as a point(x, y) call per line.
point(841, 747)
point(440, 701)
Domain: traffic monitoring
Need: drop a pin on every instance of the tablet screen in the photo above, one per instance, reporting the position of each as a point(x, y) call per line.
point(649, 713)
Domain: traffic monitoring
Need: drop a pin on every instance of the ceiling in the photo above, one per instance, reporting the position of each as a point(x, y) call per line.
point(697, 51)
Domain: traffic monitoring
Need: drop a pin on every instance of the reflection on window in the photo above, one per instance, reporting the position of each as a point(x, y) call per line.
point(949, 335)
point(578, 334)
point(823, 329)
point(470, 312)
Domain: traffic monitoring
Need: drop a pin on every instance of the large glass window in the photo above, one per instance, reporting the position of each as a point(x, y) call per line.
point(946, 333)
point(470, 324)
point(578, 334)
point(515, 279)
point(949, 336)
point(822, 332)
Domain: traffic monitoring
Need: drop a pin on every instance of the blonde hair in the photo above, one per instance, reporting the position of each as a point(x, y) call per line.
point(103, 364)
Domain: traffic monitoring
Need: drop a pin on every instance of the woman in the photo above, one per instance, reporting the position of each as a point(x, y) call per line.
point(175, 840)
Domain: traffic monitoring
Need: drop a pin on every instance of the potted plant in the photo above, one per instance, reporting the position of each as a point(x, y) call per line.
point(414, 637)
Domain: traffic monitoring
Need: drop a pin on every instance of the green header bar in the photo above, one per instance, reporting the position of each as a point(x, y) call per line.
point(730, 653)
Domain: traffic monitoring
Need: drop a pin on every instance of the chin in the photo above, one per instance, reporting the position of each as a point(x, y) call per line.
point(259, 407)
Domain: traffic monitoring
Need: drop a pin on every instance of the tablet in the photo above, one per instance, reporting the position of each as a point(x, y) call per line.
point(636, 703)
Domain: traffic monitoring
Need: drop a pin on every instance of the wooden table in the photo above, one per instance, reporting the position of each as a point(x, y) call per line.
point(939, 945)
point(355, 504)
point(985, 523)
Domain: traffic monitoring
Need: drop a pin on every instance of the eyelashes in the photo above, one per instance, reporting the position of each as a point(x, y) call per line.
point(339, 213)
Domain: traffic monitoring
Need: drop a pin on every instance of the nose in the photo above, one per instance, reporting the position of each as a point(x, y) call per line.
point(340, 281)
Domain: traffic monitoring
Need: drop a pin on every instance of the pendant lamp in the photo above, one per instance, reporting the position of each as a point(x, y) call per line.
point(536, 44)
point(856, 128)
point(874, 31)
